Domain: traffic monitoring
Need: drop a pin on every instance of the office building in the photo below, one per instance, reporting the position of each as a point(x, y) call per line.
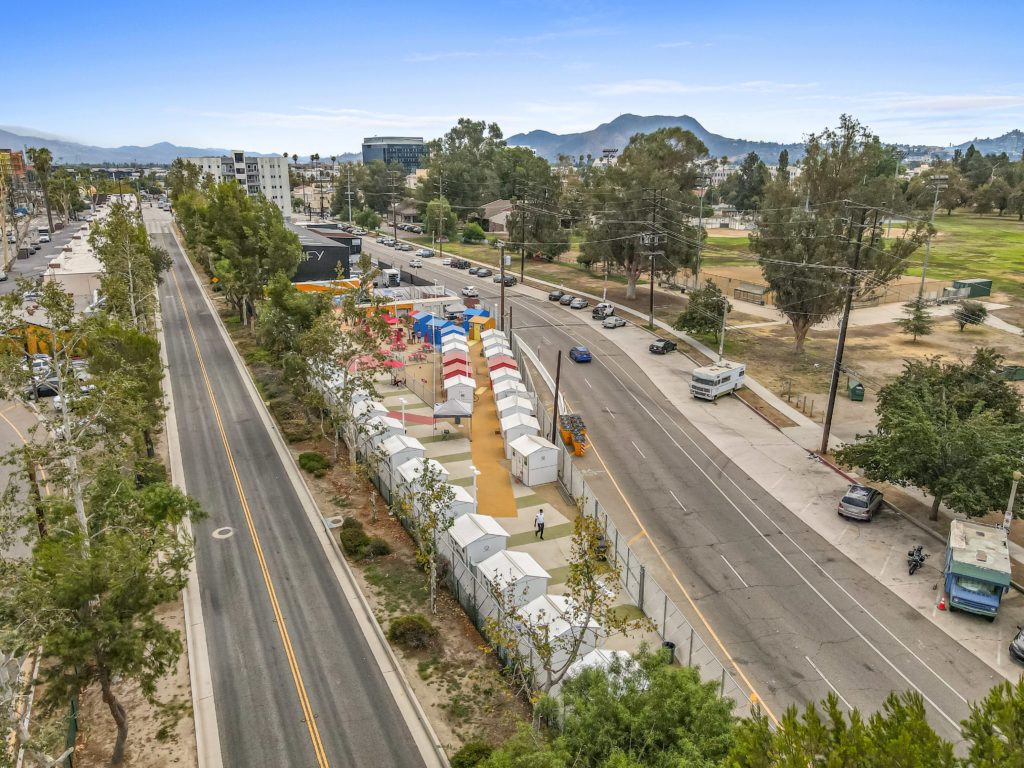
point(268, 175)
point(407, 150)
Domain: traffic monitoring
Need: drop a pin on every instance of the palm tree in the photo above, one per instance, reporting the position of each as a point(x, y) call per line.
point(42, 160)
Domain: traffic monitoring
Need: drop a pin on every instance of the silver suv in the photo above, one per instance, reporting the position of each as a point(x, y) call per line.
point(860, 502)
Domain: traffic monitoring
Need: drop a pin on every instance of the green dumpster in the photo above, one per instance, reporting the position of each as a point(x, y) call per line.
point(855, 389)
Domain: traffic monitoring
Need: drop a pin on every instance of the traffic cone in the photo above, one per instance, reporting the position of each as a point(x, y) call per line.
point(942, 602)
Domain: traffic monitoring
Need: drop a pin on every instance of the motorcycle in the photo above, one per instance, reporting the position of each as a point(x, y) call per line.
point(915, 558)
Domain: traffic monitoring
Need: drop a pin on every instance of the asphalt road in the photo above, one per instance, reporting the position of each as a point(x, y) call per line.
point(798, 617)
point(260, 682)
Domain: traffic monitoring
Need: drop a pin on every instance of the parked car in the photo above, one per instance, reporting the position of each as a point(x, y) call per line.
point(602, 310)
point(579, 303)
point(474, 270)
point(613, 321)
point(484, 272)
point(555, 295)
point(510, 280)
point(463, 264)
point(566, 299)
point(382, 240)
point(42, 387)
point(416, 230)
point(415, 263)
point(446, 262)
point(580, 355)
point(470, 292)
point(426, 253)
point(357, 230)
point(861, 502)
point(1017, 646)
point(662, 346)
point(405, 247)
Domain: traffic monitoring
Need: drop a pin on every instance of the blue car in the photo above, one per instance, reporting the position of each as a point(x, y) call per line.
point(580, 354)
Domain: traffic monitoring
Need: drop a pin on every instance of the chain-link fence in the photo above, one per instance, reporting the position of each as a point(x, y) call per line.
point(671, 624)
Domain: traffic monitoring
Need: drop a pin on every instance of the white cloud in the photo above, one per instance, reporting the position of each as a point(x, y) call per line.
point(674, 87)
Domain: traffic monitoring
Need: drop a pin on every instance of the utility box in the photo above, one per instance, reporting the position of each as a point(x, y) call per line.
point(976, 286)
point(855, 390)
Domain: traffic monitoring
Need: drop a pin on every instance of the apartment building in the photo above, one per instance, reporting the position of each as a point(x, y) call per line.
point(12, 163)
point(410, 151)
point(268, 175)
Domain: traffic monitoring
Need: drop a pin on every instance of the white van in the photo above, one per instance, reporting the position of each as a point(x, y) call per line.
point(44, 234)
point(710, 382)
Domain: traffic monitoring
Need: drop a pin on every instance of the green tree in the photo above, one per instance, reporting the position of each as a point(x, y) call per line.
point(917, 320)
point(995, 729)
point(705, 309)
point(814, 245)
point(249, 235)
point(65, 194)
point(367, 218)
point(131, 266)
point(666, 162)
point(898, 736)
point(440, 220)
point(473, 233)
point(89, 598)
point(952, 430)
point(969, 313)
point(182, 177)
point(998, 192)
point(783, 172)
point(42, 161)
point(463, 165)
point(745, 188)
point(378, 185)
point(1016, 201)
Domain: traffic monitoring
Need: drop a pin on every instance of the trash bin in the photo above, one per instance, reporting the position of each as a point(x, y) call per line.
point(671, 648)
point(855, 389)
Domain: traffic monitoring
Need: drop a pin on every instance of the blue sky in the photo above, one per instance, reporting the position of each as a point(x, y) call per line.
point(318, 76)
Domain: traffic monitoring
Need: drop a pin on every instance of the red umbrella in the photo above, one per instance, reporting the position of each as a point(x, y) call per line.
point(390, 319)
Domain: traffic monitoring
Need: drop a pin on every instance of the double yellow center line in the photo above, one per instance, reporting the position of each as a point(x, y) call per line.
point(307, 710)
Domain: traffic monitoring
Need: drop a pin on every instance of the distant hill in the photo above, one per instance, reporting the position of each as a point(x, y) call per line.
point(163, 153)
point(1012, 143)
point(617, 133)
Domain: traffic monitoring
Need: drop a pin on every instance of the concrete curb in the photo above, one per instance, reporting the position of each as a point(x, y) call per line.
point(429, 746)
point(204, 708)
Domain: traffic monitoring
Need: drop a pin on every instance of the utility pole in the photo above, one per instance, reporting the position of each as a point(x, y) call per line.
point(940, 183)
point(554, 409)
point(440, 215)
point(721, 337)
point(700, 229)
point(501, 261)
point(348, 191)
point(652, 239)
point(837, 365)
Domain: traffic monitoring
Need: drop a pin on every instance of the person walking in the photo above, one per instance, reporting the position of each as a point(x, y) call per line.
point(539, 522)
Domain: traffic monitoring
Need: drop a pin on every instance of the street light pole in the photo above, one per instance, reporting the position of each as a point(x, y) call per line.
point(402, 401)
point(700, 228)
point(1008, 517)
point(721, 337)
point(939, 183)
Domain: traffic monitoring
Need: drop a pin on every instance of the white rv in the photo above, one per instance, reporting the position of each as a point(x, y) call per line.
point(710, 382)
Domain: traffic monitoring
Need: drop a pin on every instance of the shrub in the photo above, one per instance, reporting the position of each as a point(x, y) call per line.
point(412, 632)
point(351, 522)
point(314, 463)
point(376, 547)
point(472, 752)
point(353, 541)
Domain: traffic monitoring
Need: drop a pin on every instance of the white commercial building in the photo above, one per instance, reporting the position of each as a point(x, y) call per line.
point(266, 175)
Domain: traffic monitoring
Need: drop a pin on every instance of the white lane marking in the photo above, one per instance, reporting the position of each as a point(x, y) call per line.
point(677, 499)
point(789, 562)
point(638, 450)
point(609, 412)
point(735, 571)
point(829, 684)
point(588, 382)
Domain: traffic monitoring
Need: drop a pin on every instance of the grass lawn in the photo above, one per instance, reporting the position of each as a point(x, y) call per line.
point(968, 245)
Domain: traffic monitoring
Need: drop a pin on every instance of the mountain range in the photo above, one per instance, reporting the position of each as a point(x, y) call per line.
point(611, 135)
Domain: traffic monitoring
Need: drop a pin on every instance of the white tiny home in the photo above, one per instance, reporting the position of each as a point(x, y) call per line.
point(563, 626)
point(509, 388)
point(499, 375)
point(462, 502)
point(474, 538)
point(534, 460)
point(367, 409)
point(497, 346)
point(516, 574)
point(396, 451)
point(375, 431)
point(492, 333)
point(509, 405)
point(515, 426)
point(408, 476)
point(460, 388)
point(454, 344)
point(599, 658)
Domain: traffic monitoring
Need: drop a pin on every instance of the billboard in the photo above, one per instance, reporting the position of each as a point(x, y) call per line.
point(320, 262)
